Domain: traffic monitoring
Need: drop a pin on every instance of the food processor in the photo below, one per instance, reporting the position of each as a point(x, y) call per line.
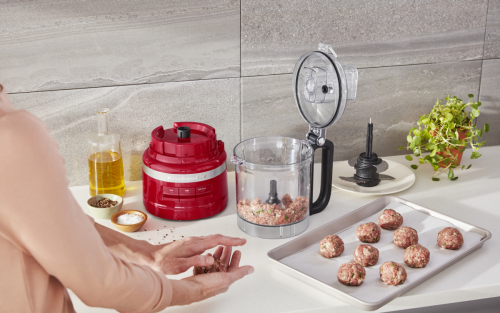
point(274, 175)
point(184, 173)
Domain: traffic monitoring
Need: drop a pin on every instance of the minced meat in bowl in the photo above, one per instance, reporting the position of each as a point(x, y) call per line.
point(287, 212)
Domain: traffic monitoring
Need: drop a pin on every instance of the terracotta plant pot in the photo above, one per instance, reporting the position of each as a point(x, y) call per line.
point(455, 152)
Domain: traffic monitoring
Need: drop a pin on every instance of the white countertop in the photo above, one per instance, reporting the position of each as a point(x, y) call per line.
point(474, 198)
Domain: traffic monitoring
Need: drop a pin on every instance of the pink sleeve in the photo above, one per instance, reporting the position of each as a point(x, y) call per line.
point(40, 216)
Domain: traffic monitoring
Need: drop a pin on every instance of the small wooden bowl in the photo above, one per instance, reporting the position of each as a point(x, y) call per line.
point(128, 228)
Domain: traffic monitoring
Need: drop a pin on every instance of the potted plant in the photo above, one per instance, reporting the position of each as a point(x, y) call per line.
point(445, 133)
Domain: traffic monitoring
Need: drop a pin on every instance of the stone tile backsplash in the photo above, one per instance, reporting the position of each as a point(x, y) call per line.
point(228, 63)
point(134, 112)
point(492, 38)
point(490, 99)
point(364, 33)
point(52, 45)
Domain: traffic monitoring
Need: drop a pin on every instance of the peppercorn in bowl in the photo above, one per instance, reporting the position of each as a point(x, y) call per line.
point(104, 206)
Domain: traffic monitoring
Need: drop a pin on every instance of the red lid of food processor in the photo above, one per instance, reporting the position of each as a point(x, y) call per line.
point(185, 143)
point(184, 140)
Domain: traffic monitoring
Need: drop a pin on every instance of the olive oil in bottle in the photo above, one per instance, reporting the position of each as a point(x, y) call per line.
point(106, 173)
point(105, 160)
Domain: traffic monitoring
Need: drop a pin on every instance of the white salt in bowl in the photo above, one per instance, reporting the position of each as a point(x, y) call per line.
point(104, 213)
point(128, 228)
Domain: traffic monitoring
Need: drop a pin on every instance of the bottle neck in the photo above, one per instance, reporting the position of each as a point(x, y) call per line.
point(102, 121)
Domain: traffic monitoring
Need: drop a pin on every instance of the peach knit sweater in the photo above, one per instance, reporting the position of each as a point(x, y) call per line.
point(47, 243)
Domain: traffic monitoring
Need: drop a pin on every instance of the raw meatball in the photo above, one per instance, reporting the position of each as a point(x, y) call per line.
point(405, 237)
point(366, 255)
point(331, 246)
point(417, 256)
point(351, 274)
point(369, 232)
point(217, 266)
point(390, 219)
point(392, 273)
point(450, 238)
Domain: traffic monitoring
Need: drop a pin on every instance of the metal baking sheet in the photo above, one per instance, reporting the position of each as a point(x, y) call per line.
point(301, 258)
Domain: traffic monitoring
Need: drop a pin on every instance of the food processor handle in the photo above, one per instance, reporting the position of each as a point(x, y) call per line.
point(326, 177)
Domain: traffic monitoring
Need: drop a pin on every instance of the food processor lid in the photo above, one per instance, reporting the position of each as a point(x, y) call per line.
point(322, 86)
point(185, 139)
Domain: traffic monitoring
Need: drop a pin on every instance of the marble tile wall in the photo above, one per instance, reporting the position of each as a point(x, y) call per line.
point(134, 112)
point(59, 44)
point(490, 99)
point(492, 37)
point(365, 33)
point(228, 63)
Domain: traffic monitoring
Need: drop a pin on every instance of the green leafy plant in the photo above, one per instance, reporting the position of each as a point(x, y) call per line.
point(441, 130)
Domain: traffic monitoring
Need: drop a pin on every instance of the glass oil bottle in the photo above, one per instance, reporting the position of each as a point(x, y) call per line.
point(105, 159)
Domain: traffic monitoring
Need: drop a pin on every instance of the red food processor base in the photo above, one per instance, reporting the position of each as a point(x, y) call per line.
point(191, 213)
point(185, 201)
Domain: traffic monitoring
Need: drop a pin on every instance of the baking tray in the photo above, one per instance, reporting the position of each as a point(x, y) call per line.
point(301, 258)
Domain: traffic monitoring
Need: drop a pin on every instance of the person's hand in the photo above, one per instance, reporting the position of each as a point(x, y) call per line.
point(178, 256)
point(203, 286)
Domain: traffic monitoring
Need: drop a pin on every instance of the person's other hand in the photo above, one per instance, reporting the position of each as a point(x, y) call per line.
point(200, 287)
point(178, 256)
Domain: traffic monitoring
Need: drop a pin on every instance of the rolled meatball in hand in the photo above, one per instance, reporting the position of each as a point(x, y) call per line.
point(366, 255)
point(217, 266)
point(351, 274)
point(390, 219)
point(369, 232)
point(331, 246)
point(417, 256)
point(405, 237)
point(392, 273)
point(450, 238)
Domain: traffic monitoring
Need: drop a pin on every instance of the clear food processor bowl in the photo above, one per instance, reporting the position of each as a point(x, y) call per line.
point(273, 180)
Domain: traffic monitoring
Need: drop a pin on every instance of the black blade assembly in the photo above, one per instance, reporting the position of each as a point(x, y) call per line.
point(368, 165)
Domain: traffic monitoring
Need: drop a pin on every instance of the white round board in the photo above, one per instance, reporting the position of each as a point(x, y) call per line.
point(404, 179)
